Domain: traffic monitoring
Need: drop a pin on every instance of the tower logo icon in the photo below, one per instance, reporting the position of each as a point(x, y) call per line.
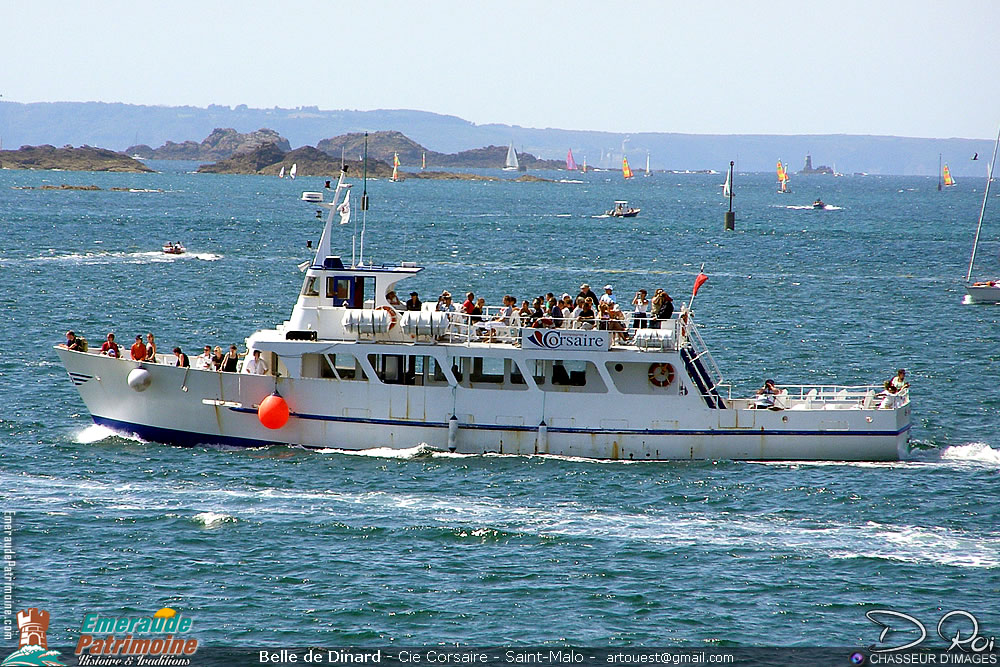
point(32, 649)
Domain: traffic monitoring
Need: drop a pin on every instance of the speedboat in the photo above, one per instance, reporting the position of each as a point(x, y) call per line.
point(623, 210)
point(350, 370)
point(174, 249)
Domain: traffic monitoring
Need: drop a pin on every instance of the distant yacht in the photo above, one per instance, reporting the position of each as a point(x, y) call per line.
point(512, 163)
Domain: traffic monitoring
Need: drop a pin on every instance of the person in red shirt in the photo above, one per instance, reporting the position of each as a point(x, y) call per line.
point(138, 349)
point(111, 348)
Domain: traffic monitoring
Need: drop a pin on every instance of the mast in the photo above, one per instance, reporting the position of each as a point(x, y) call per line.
point(364, 208)
point(982, 211)
point(939, 172)
point(323, 250)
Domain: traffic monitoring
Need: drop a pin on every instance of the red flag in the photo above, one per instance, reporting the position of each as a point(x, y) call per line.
point(698, 282)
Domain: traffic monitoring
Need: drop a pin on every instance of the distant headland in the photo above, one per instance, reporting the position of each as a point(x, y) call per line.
point(84, 158)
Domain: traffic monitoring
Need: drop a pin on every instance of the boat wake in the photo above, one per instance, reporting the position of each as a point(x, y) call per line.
point(212, 519)
point(96, 433)
point(422, 451)
point(810, 207)
point(94, 258)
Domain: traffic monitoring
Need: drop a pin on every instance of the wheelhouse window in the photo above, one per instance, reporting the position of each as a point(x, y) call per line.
point(311, 286)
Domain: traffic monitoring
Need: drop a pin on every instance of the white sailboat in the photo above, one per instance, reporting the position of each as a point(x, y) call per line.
point(512, 163)
point(982, 291)
point(647, 163)
point(281, 174)
point(291, 173)
point(727, 187)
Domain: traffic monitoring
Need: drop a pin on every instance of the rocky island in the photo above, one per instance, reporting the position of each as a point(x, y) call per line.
point(84, 158)
point(325, 160)
point(222, 143)
point(808, 169)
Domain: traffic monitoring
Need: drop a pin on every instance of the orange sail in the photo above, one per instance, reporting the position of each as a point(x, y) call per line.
point(626, 170)
point(948, 180)
point(782, 178)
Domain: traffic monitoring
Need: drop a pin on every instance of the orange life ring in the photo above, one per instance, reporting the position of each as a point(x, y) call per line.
point(392, 315)
point(661, 375)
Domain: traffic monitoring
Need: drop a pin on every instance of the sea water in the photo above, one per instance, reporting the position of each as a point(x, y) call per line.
point(279, 546)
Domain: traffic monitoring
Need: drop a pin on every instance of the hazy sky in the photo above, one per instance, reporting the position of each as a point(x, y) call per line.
point(909, 68)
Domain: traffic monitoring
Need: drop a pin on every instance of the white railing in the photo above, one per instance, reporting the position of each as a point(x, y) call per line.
point(491, 328)
point(821, 397)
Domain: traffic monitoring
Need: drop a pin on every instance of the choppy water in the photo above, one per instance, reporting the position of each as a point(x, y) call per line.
point(280, 546)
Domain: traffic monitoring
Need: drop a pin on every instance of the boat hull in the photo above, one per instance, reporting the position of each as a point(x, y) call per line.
point(191, 407)
point(988, 294)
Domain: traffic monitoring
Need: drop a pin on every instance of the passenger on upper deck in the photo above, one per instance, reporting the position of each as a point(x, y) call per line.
point(230, 363)
point(586, 292)
point(586, 318)
point(641, 310)
point(393, 300)
point(413, 303)
point(607, 297)
point(217, 358)
point(182, 359)
point(899, 382)
point(468, 304)
point(73, 342)
point(150, 348)
point(138, 349)
point(111, 348)
point(204, 360)
point(556, 313)
point(444, 303)
point(765, 395)
point(255, 365)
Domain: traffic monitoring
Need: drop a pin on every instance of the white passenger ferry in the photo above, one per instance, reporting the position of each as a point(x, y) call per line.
point(350, 371)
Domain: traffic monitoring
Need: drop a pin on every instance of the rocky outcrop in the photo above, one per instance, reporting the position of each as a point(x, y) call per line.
point(268, 160)
point(221, 144)
point(383, 145)
point(84, 158)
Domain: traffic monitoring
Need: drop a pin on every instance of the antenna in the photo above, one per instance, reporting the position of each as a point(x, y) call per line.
point(364, 204)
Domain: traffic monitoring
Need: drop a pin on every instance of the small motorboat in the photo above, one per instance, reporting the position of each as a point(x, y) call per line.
point(819, 204)
point(174, 249)
point(623, 210)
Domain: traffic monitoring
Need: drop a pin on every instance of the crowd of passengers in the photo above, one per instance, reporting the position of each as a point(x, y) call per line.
point(209, 359)
point(585, 311)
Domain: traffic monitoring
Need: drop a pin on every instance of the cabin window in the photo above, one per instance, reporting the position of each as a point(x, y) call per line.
point(332, 367)
point(339, 290)
point(571, 375)
point(311, 286)
point(492, 372)
point(389, 368)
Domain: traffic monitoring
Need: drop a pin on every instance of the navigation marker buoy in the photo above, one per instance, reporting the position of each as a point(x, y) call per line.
point(273, 411)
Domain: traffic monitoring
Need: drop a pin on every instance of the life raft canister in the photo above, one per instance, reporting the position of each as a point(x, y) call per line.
point(661, 375)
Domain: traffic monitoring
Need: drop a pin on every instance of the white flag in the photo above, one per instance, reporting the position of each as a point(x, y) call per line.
point(345, 209)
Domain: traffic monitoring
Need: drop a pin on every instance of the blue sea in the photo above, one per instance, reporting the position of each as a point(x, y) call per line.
point(282, 547)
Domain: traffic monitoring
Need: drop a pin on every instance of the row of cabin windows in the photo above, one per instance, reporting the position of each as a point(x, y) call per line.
point(351, 292)
point(468, 371)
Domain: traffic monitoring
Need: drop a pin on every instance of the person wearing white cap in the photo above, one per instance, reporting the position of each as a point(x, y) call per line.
point(607, 297)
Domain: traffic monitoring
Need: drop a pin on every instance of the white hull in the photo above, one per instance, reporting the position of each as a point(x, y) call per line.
point(196, 407)
point(983, 294)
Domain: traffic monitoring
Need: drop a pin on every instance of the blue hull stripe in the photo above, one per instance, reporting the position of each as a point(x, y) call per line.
point(190, 439)
point(586, 431)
